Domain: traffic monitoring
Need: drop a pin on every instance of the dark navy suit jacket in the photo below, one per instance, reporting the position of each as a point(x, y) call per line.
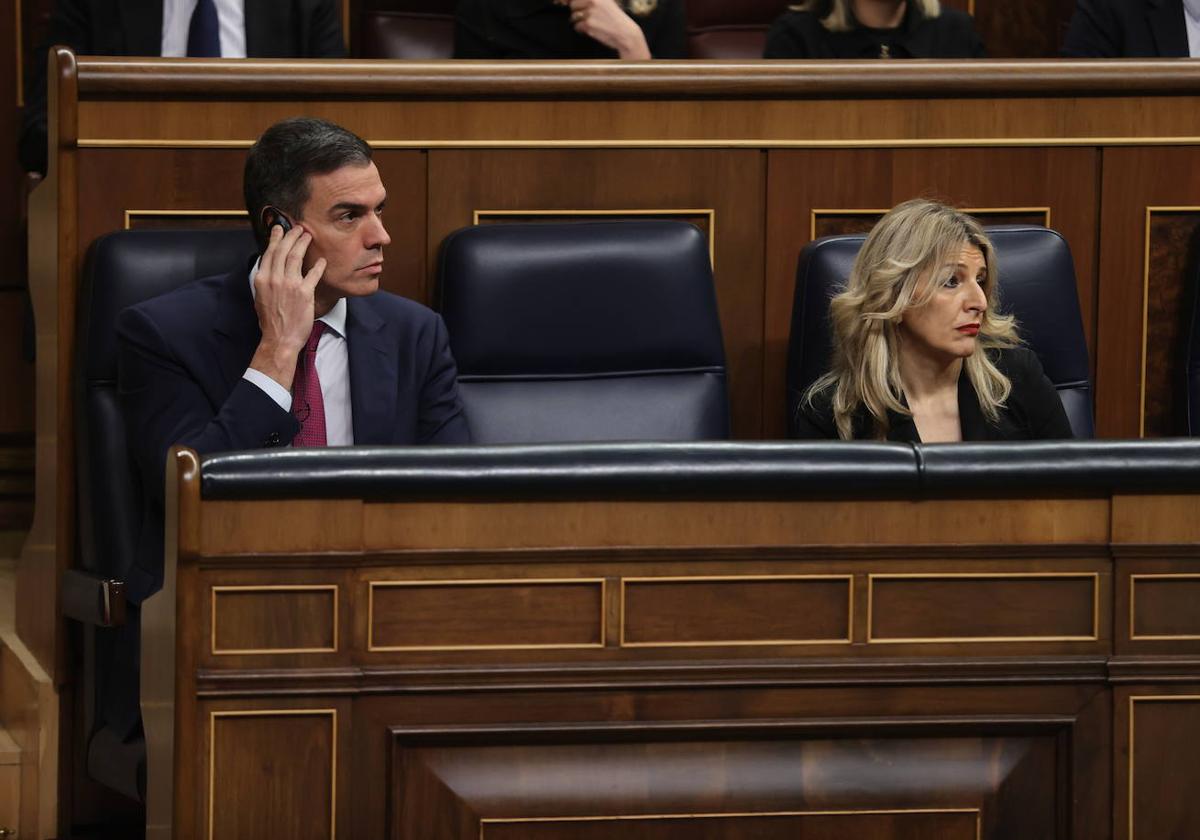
point(180, 362)
point(1127, 29)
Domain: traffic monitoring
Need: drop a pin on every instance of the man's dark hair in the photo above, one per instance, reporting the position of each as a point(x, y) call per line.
point(280, 163)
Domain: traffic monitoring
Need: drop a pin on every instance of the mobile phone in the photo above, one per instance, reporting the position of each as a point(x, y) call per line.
point(275, 216)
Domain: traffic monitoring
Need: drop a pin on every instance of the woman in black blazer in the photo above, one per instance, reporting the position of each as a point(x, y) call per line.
point(628, 29)
point(919, 352)
point(873, 29)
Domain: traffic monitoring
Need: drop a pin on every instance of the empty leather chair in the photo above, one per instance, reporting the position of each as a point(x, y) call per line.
point(1037, 285)
point(585, 332)
point(418, 35)
point(122, 269)
point(724, 29)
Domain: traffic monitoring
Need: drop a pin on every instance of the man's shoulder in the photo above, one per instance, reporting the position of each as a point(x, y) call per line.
point(194, 305)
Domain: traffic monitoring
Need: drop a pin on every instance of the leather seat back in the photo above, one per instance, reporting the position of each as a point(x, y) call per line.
point(585, 332)
point(1037, 285)
point(730, 30)
point(123, 269)
point(418, 35)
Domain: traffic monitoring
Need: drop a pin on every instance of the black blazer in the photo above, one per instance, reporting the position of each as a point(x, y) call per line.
point(274, 29)
point(541, 29)
point(949, 35)
point(1033, 410)
point(180, 360)
point(1127, 29)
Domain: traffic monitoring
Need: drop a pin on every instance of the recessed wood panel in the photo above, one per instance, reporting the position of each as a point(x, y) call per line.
point(185, 219)
point(1016, 607)
point(1163, 772)
point(839, 222)
point(1171, 256)
point(1135, 255)
point(713, 611)
point(477, 615)
point(274, 619)
point(1164, 606)
point(272, 774)
point(884, 825)
point(531, 783)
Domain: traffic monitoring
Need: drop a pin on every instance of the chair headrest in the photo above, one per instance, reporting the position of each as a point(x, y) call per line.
point(128, 267)
point(606, 297)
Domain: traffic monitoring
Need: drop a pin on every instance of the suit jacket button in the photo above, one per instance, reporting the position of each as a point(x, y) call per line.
point(272, 439)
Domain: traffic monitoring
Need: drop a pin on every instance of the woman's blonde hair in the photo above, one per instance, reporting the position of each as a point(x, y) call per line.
point(896, 270)
point(836, 15)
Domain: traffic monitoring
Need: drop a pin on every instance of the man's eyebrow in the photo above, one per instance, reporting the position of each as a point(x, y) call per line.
point(342, 206)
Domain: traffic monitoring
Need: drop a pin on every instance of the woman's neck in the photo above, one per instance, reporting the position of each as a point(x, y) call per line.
point(879, 14)
point(926, 376)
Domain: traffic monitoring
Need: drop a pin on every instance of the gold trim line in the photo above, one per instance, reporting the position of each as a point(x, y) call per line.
point(1152, 698)
point(302, 587)
point(1133, 636)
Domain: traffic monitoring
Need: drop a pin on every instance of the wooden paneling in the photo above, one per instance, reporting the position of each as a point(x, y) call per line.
point(279, 618)
point(272, 773)
point(803, 186)
point(1156, 520)
point(969, 607)
point(1141, 283)
point(1170, 289)
point(776, 783)
point(485, 614)
point(1160, 774)
point(753, 611)
point(1164, 606)
point(555, 182)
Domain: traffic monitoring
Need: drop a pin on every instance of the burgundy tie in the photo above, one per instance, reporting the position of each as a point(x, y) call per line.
point(307, 403)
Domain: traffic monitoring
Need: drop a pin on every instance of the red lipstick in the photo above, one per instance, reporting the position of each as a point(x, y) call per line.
point(968, 329)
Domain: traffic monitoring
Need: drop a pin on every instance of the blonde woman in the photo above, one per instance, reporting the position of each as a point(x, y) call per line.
point(625, 29)
point(873, 29)
point(919, 351)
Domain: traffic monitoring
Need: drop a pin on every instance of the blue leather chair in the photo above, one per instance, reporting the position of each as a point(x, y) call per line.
point(1037, 285)
point(585, 332)
point(122, 269)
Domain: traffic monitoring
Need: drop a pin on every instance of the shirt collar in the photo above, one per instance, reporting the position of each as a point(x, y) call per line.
point(335, 318)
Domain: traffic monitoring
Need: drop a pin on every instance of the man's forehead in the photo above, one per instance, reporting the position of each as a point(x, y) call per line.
point(349, 184)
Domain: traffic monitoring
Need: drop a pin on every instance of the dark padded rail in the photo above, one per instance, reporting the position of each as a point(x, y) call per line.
point(575, 471)
point(705, 470)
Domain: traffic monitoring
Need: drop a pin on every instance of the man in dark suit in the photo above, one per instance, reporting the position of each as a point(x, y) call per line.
point(297, 347)
point(1132, 29)
point(243, 29)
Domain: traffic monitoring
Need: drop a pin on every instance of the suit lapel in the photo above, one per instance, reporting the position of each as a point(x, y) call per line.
point(142, 21)
point(1169, 27)
point(236, 327)
point(374, 373)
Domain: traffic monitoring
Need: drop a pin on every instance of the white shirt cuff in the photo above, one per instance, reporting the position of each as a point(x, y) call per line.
point(269, 386)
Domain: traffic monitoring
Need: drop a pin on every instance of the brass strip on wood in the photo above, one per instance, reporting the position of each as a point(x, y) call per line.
point(130, 215)
point(735, 143)
point(212, 752)
point(317, 587)
point(1146, 698)
point(848, 639)
point(871, 578)
point(858, 211)
point(709, 212)
point(1133, 579)
point(387, 584)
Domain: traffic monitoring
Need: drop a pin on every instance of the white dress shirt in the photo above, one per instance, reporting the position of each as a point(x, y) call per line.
point(333, 370)
point(1191, 17)
point(231, 26)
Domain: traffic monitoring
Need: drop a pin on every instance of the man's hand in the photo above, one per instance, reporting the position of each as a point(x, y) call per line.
point(606, 22)
point(283, 299)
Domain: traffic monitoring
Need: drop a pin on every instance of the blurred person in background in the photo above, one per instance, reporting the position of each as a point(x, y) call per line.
point(873, 29)
point(1134, 29)
point(176, 28)
point(564, 29)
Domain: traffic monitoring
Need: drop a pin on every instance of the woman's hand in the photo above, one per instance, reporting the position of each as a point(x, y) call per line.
point(605, 21)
